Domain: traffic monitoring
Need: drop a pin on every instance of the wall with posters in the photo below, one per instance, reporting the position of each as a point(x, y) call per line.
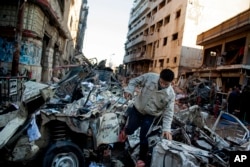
point(30, 53)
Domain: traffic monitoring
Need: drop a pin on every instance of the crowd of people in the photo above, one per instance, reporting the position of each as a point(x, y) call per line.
point(237, 102)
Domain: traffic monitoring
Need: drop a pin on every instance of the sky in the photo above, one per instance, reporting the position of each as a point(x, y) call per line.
point(107, 27)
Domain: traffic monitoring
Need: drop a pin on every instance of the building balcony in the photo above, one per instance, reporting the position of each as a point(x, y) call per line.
point(138, 27)
point(136, 41)
point(136, 57)
point(138, 3)
point(242, 21)
point(142, 9)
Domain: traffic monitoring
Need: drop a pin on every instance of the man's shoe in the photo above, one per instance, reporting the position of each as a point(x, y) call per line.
point(140, 163)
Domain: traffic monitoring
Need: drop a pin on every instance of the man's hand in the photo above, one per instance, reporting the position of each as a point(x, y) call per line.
point(167, 135)
point(127, 95)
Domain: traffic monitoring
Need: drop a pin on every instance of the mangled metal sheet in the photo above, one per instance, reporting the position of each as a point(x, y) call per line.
point(232, 130)
point(8, 116)
point(172, 153)
point(24, 150)
point(32, 90)
point(108, 130)
point(192, 114)
point(10, 128)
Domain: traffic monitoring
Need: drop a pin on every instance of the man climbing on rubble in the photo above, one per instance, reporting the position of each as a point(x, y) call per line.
point(155, 99)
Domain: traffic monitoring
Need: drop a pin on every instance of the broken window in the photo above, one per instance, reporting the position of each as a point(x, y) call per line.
point(178, 14)
point(165, 40)
point(162, 4)
point(166, 20)
point(154, 10)
point(146, 32)
point(152, 29)
point(161, 61)
point(175, 59)
point(158, 25)
point(234, 51)
point(175, 36)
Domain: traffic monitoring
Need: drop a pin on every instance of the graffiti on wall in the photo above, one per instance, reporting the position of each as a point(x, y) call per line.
point(6, 50)
point(30, 54)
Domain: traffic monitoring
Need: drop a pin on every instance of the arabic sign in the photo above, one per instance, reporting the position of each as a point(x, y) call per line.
point(12, 87)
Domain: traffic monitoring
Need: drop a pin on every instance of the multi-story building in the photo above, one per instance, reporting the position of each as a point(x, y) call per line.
point(226, 52)
point(162, 33)
point(82, 25)
point(38, 35)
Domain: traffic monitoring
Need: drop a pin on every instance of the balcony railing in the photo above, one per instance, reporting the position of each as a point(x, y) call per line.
point(136, 28)
point(139, 39)
point(144, 8)
point(137, 57)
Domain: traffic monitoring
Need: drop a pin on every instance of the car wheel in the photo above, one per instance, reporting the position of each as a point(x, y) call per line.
point(63, 154)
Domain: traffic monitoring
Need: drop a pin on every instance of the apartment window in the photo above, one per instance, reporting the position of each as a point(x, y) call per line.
point(178, 14)
point(167, 60)
point(152, 29)
point(175, 59)
point(165, 41)
point(149, 15)
point(167, 20)
point(159, 24)
point(146, 32)
point(155, 63)
point(175, 36)
point(162, 4)
point(154, 11)
point(161, 61)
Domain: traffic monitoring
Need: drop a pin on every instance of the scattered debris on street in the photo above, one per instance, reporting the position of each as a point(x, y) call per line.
point(78, 119)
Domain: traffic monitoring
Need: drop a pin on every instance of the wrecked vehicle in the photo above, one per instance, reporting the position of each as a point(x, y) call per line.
point(56, 127)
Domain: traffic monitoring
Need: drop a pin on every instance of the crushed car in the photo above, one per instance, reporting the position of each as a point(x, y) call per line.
point(62, 123)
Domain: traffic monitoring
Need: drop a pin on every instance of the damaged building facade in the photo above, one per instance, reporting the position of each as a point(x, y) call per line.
point(38, 35)
point(162, 33)
point(226, 52)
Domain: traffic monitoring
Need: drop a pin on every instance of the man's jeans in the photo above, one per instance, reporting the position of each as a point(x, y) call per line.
point(136, 120)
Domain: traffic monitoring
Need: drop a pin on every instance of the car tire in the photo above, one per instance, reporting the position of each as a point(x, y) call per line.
point(63, 153)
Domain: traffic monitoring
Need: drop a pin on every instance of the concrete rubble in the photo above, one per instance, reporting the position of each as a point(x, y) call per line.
point(87, 108)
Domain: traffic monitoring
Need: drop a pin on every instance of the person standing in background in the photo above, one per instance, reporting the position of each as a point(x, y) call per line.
point(234, 101)
point(244, 104)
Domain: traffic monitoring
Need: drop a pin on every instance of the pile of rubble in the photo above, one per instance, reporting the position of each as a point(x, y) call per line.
point(78, 120)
